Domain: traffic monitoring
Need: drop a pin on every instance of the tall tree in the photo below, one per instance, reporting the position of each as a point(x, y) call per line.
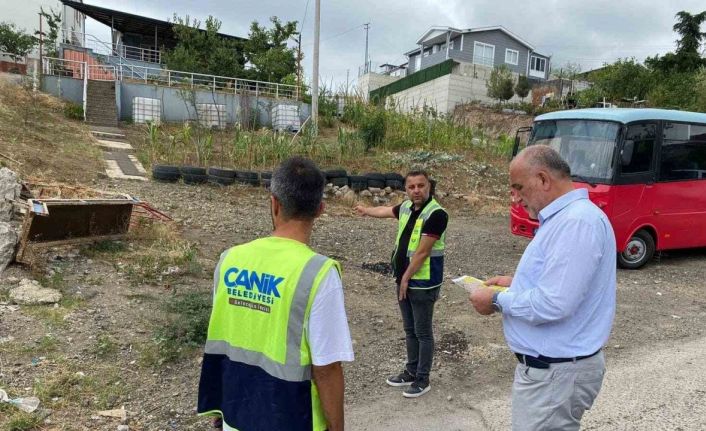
point(50, 36)
point(688, 26)
point(267, 52)
point(522, 88)
point(204, 51)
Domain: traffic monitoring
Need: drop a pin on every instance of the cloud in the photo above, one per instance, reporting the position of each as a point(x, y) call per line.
point(585, 32)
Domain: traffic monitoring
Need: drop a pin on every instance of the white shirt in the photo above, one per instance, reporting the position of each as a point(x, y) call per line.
point(328, 333)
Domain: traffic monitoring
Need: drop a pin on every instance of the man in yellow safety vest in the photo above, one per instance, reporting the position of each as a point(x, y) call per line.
point(278, 330)
point(418, 264)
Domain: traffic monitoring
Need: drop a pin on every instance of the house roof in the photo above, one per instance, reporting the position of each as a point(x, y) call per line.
point(624, 115)
point(129, 23)
point(430, 34)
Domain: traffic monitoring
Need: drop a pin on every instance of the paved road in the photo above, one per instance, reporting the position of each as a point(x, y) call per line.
point(662, 388)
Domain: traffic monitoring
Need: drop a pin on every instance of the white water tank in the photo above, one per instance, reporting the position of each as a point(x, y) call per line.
point(285, 117)
point(146, 109)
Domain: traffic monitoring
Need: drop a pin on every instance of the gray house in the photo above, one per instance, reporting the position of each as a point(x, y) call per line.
point(485, 46)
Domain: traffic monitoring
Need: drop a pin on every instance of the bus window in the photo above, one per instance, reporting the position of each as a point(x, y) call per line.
point(683, 155)
point(643, 137)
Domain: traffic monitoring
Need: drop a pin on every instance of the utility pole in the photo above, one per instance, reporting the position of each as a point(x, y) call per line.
point(315, 73)
point(367, 66)
point(298, 41)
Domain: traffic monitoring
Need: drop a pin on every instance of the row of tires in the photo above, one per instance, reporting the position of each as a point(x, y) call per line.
point(197, 175)
point(337, 177)
point(340, 178)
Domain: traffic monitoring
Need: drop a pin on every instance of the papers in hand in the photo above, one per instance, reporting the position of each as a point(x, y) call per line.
point(471, 283)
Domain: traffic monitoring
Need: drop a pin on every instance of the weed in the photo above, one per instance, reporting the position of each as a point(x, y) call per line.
point(105, 346)
point(104, 247)
point(73, 111)
point(184, 329)
point(20, 421)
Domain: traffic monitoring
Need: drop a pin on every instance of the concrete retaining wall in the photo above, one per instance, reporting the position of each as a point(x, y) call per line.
point(174, 108)
point(465, 84)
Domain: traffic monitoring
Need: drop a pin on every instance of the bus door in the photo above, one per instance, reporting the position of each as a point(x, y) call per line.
point(680, 191)
point(633, 191)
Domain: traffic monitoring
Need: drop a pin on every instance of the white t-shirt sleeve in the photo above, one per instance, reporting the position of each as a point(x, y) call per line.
point(328, 332)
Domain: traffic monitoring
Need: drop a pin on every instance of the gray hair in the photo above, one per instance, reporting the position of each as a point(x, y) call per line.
point(298, 185)
point(544, 156)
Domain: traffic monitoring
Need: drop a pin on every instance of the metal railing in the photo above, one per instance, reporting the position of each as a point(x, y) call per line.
point(173, 78)
point(100, 47)
point(77, 69)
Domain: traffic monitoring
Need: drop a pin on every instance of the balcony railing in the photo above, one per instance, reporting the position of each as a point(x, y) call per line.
point(168, 78)
point(173, 78)
point(100, 47)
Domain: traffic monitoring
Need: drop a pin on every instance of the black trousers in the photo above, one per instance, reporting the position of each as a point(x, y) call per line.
point(417, 314)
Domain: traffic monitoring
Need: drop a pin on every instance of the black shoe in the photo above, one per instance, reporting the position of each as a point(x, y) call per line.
point(402, 379)
point(416, 390)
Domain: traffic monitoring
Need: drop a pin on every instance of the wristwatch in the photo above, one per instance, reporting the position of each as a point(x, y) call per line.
point(496, 306)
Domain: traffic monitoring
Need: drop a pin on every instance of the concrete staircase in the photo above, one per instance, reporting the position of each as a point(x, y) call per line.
point(100, 104)
point(120, 159)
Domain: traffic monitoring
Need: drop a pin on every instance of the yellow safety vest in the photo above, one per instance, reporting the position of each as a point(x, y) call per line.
point(256, 371)
point(431, 273)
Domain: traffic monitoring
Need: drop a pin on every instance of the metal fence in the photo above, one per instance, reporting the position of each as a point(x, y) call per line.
point(173, 78)
point(100, 47)
point(77, 69)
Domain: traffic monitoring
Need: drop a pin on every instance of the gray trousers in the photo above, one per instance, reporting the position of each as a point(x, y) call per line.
point(557, 397)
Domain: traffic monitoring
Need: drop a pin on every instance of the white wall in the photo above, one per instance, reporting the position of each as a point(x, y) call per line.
point(465, 84)
point(372, 81)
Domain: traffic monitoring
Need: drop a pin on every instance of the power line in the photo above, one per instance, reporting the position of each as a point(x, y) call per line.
point(306, 9)
point(340, 34)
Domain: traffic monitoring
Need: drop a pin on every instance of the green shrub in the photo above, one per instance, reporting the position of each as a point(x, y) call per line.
point(73, 111)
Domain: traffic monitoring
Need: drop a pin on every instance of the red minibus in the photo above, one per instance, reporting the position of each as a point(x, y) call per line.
point(646, 168)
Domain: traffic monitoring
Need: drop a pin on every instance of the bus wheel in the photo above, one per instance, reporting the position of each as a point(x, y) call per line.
point(638, 252)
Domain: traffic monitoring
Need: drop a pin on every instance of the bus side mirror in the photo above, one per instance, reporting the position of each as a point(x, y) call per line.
point(626, 152)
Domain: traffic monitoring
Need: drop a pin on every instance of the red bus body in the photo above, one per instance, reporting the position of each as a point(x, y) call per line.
point(672, 210)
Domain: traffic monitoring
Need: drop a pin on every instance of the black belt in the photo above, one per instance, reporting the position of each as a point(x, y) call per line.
point(544, 361)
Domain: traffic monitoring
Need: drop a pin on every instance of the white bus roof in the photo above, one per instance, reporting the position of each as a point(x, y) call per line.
point(624, 115)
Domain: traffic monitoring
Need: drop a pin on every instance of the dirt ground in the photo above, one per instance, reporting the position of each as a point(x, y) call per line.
point(89, 354)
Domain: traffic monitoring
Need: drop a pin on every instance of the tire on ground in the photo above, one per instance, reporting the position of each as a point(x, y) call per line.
point(220, 172)
point(335, 173)
point(192, 170)
point(395, 184)
point(394, 176)
point(217, 179)
point(194, 178)
point(267, 175)
point(339, 181)
point(358, 182)
point(166, 173)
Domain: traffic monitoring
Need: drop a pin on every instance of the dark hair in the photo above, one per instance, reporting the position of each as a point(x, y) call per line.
point(546, 157)
point(298, 185)
point(416, 173)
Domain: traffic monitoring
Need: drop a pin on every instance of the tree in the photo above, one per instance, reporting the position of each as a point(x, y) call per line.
point(522, 88)
point(626, 78)
point(266, 50)
point(204, 51)
point(688, 27)
point(687, 57)
point(15, 41)
point(50, 37)
point(500, 85)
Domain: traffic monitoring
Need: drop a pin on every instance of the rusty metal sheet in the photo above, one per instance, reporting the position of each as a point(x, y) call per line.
point(52, 222)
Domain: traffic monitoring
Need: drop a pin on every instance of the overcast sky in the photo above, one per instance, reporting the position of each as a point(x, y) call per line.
point(589, 32)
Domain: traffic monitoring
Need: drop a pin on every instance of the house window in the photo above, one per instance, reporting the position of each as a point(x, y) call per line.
point(451, 44)
point(443, 47)
point(512, 56)
point(538, 64)
point(426, 53)
point(417, 62)
point(483, 54)
point(434, 49)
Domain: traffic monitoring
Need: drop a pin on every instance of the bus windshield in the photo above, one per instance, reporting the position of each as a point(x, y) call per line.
point(587, 145)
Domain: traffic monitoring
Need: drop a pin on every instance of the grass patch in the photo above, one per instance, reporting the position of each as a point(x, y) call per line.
point(105, 346)
point(17, 420)
point(66, 387)
point(183, 330)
